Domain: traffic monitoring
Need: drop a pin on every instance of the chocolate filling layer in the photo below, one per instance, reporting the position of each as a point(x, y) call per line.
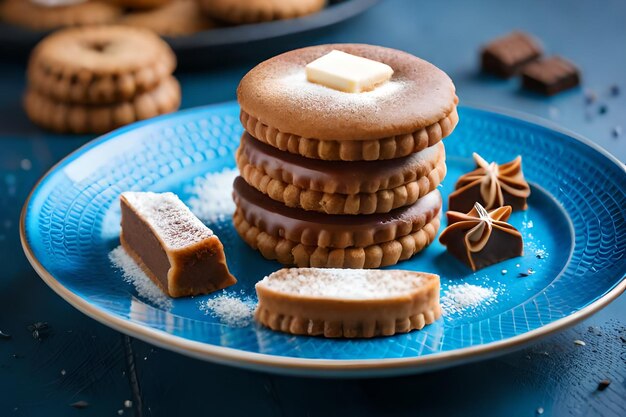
point(333, 231)
point(340, 177)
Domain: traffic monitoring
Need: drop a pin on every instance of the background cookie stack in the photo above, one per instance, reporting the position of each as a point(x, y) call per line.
point(94, 79)
point(336, 179)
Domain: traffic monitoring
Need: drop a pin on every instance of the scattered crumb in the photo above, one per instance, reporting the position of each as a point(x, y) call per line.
point(128, 403)
point(590, 96)
point(80, 404)
point(540, 410)
point(553, 112)
point(63, 372)
point(504, 272)
point(212, 199)
point(579, 342)
point(230, 309)
point(616, 131)
point(120, 412)
point(529, 224)
point(26, 165)
point(517, 265)
point(133, 274)
point(604, 384)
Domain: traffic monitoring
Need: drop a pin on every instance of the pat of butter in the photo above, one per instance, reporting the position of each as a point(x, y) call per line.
point(347, 73)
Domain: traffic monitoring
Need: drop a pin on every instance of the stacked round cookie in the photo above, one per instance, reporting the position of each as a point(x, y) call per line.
point(336, 179)
point(94, 79)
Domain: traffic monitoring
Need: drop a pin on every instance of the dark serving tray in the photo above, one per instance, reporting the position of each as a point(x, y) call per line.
point(221, 45)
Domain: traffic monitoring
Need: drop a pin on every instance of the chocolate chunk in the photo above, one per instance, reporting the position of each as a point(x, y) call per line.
point(550, 76)
point(480, 238)
point(173, 247)
point(604, 384)
point(505, 56)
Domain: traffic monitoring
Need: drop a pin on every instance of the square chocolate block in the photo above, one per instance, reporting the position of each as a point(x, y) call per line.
point(550, 76)
point(505, 56)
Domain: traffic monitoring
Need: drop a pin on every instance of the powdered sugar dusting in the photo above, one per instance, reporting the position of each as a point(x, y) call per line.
point(343, 283)
point(322, 98)
point(230, 309)
point(171, 220)
point(212, 199)
point(133, 274)
point(465, 297)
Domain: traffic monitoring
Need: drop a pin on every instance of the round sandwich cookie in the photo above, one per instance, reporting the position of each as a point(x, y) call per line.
point(295, 236)
point(64, 117)
point(99, 64)
point(253, 11)
point(141, 4)
point(177, 18)
point(53, 14)
point(338, 187)
point(413, 110)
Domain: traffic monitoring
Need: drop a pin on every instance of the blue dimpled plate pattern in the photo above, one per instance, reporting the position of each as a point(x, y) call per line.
point(574, 232)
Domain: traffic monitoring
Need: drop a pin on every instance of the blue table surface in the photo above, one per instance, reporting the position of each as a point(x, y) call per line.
point(81, 360)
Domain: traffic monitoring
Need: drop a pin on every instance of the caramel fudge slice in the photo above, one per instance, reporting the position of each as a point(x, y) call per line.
point(173, 247)
point(347, 302)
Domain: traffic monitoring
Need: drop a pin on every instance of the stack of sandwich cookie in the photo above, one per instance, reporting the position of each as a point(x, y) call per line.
point(54, 14)
point(341, 156)
point(94, 79)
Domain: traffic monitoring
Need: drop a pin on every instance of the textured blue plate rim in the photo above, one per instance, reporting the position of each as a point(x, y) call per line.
point(315, 367)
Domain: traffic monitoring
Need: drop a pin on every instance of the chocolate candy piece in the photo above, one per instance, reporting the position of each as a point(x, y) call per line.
point(173, 247)
point(505, 56)
point(332, 231)
point(492, 186)
point(550, 76)
point(480, 238)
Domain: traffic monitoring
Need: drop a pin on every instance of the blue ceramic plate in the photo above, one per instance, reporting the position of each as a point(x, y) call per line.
point(574, 232)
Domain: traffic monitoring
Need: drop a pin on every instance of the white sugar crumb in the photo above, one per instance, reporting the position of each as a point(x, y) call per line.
point(230, 309)
point(579, 342)
point(169, 217)
point(316, 96)
point(134, 275)
point(212, 199)
point(343, 283)
point(463, 297)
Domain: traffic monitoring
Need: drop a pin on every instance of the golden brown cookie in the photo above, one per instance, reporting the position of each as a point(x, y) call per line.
point(415, 109)
point(141, 4)
point(41, 17)
point(99, 65)
point(373, 256)
point(347, 303)
point(177, 18)
point(91, 118)
point(252, 11)
point(337, 187)
point(332, 231)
